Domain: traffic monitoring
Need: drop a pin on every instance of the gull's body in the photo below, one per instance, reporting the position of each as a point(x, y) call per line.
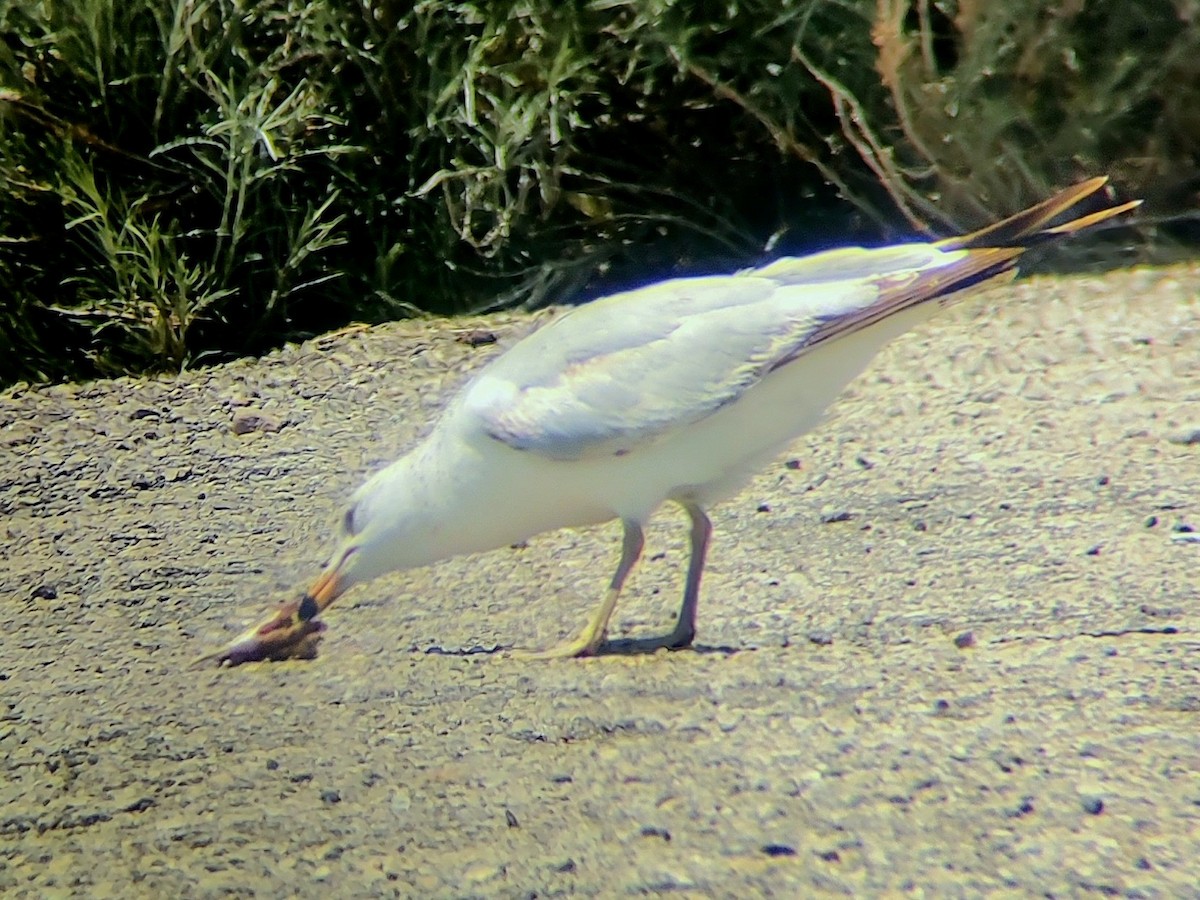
point(504, 463)
point(679, 391)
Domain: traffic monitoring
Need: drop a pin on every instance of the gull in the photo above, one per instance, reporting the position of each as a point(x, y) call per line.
point(679, 391)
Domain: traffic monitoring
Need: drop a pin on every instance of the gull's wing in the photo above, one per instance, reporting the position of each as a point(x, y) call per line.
point(626, 369)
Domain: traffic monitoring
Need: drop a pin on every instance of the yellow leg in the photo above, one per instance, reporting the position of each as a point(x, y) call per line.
point(592, 636)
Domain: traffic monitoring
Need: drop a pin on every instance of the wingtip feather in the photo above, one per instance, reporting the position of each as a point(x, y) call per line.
point(1027, 226)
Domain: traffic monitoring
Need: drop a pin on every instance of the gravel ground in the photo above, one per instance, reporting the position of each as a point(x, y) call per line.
point(948, 645)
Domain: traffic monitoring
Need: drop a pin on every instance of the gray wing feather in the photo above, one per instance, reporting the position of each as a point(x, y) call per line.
point(628, 368)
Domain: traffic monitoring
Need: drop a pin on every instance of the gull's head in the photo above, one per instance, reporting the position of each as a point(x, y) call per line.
point(387, 525)
point(362, 554)
point(378, 533)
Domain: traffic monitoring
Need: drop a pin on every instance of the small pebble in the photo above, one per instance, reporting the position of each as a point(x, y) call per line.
point(778, 850)
point(1024, 809)
point(1187, 437)
point(965, 640)
point(476, 337)
point(248, 419)
point(839, 516)
point(1093, 805)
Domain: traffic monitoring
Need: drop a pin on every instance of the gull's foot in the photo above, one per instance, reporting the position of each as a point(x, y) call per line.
point(576, 649)
point(676, 640)
point(283, 636)
point(584, 646)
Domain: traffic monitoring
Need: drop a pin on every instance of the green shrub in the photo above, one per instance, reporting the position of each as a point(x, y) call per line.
point(171, 177)
point(190, 180)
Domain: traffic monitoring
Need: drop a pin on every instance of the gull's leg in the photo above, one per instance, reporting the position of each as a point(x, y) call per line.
point(593, 635)
point(685, 629)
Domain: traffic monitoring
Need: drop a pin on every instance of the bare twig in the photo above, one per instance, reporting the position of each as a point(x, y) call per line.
point(879, 158)
point(786, 142)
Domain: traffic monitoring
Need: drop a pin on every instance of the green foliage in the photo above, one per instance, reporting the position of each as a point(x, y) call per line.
point(137, 294)
point(170, 180)
point(1001, 103)
point(184, 181)
point(571, 143)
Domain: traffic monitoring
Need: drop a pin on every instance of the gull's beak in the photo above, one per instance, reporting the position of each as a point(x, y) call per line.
point(291, 633)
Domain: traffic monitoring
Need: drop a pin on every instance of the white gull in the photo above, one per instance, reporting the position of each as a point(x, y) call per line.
point(677, 391)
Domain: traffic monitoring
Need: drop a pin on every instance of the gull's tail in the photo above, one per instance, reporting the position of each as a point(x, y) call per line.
point(1027, 228)
point(984, 257)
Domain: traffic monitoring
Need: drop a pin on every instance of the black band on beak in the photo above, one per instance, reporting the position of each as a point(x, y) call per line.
point(308, 608)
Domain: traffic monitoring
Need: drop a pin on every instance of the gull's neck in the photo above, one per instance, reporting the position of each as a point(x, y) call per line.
point(434, 503)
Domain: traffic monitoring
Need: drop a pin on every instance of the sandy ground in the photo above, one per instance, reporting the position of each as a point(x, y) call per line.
point(950, 644)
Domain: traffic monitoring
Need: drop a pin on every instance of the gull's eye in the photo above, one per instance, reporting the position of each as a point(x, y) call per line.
point(348, 522)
